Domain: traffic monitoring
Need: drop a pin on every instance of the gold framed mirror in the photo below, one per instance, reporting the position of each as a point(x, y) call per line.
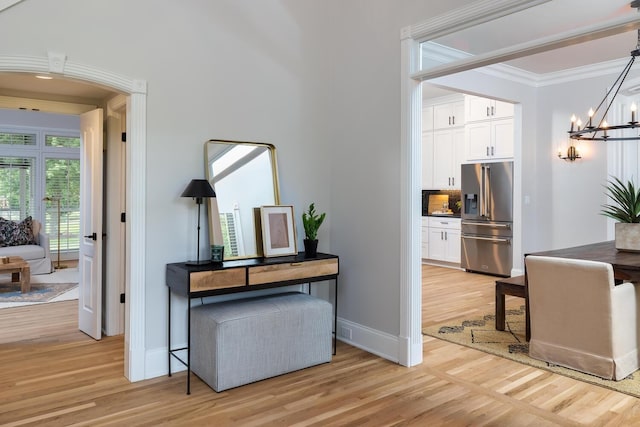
point(244, 176)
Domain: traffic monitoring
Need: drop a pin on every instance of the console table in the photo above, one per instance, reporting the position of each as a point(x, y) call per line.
point(235, 276)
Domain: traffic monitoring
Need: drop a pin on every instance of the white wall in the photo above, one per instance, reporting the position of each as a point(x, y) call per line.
point(319, 79)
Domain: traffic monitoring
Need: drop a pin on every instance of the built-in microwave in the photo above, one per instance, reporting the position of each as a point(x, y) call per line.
point(440, 200)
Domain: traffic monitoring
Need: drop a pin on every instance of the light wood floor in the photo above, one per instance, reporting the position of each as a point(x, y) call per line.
point(58, 376)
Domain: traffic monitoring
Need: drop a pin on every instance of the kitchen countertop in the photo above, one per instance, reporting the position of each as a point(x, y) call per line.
point(444, 215)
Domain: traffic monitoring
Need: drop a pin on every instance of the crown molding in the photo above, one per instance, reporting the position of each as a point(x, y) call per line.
point(467, 16)
point(6, 4)
point(567, 38)
point(446, 55)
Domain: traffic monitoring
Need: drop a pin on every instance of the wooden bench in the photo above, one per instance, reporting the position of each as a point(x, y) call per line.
point(513, 286)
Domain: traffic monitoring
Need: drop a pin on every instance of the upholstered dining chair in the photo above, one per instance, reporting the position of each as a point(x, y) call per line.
point(580, 319)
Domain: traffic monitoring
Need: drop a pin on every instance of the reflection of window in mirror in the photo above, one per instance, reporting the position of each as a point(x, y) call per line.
point(243, 176)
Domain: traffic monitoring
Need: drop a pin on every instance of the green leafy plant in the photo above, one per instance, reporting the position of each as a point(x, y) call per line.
point(626, 198)
point(312, 222)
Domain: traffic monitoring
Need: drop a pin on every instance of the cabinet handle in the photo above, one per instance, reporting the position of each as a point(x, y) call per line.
point(492, 151)
point(445, 236)
point(493, 112)
point(453, 120)
point(453, 180)
point(449, 181)
point(449, 120)
point(488, 112)
point(442, 235)
point(487, 151)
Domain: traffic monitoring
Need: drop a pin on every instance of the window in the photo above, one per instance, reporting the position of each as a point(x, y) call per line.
point(16, 187)
point(62, 213)
point(40, 177)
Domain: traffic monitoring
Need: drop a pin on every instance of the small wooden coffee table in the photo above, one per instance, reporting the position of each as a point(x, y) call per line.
point(20, 272)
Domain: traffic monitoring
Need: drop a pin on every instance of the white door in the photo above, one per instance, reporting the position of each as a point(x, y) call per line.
point(90, 263)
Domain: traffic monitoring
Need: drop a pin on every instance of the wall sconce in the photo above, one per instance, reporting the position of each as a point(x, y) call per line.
point(572, 154)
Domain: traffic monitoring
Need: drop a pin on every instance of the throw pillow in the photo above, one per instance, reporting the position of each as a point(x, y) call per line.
point(16, 233)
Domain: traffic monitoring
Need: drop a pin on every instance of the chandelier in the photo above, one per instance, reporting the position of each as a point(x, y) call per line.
point(600, 130)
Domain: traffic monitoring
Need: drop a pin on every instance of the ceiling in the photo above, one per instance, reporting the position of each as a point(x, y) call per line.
point(546, 20)
point(24, 85)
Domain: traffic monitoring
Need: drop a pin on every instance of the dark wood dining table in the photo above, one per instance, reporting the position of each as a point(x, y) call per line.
point(626, 265)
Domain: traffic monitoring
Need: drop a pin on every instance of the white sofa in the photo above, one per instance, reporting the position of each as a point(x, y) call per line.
point(37, 255)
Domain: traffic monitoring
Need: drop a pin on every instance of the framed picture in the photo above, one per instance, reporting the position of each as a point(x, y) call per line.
point(278, 231)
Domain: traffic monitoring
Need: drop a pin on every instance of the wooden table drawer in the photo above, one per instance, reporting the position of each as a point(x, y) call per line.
point(292, 271)
point(219, 279)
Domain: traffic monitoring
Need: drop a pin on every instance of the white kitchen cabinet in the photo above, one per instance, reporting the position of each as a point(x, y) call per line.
point(427, 118)
point(427, 160)
point(448, 153)
point(478, 108)
point(491, 139)
point(449, 115)
point(425, 237)
point(444, 239)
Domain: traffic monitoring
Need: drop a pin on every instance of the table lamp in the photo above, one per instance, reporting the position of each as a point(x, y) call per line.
point(198, 189)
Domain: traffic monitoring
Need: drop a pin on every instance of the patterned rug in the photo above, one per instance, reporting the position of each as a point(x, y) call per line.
point(482, 335)
point(40, 292)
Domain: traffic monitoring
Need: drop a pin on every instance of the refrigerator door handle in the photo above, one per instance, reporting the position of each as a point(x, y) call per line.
point(483, 224)
point(487, 192)
point(482, 191)
point(490, 239)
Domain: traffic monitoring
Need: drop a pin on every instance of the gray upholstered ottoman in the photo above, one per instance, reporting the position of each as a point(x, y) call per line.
point(242, 341)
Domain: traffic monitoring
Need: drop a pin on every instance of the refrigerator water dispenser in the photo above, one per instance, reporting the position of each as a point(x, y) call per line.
point(471, 204)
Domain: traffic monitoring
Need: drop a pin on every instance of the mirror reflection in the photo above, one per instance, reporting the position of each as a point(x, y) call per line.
point(244, 176)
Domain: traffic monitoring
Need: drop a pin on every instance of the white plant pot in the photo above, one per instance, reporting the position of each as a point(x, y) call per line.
point(627, 237)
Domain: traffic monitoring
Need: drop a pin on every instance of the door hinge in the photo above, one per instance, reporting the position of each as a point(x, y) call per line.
point(123, 217)
point(121, 298)
point(123, 137)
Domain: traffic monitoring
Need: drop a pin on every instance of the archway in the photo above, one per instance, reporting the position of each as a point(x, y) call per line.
point(56, 63)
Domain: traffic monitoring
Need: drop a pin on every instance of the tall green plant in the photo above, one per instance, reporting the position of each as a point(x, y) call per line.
point(312, 222)
point(626, 198)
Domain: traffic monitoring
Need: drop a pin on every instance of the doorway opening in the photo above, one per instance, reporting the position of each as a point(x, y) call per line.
point(135, 151)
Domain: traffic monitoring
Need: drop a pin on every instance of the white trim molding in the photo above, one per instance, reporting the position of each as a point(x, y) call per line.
point(6, 4)
point(468, 16)
point(136, 185)
point(410, 338)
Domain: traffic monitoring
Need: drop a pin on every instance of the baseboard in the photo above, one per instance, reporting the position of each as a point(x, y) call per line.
point(370, 340)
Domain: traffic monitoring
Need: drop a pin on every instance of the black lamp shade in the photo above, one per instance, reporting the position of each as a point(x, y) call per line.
point(198, 188)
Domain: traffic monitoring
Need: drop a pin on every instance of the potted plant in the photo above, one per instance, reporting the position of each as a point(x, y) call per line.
point(626, 210)
point(311, 221)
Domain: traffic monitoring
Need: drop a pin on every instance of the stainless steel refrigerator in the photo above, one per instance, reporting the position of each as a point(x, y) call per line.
point(487, 217)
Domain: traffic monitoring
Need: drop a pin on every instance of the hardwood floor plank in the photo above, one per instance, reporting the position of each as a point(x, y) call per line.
point(54, 375)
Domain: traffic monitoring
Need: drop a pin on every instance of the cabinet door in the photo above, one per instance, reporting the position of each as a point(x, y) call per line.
point(453, 247)
point(502, 110)
point(502, 135)
point(477, 108)
point(427, 119)
point(443, 151)
point(437, 247)
point(478, 140)
point(427, 161)
point(448, 115)
point(457, 111)
point(458, 157)
point(442, 116)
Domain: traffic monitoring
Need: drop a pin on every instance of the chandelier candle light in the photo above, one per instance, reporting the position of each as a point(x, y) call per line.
point(602, 132)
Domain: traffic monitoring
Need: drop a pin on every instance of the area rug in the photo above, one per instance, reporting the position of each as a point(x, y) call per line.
point(482, 335)
point(40, 292)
